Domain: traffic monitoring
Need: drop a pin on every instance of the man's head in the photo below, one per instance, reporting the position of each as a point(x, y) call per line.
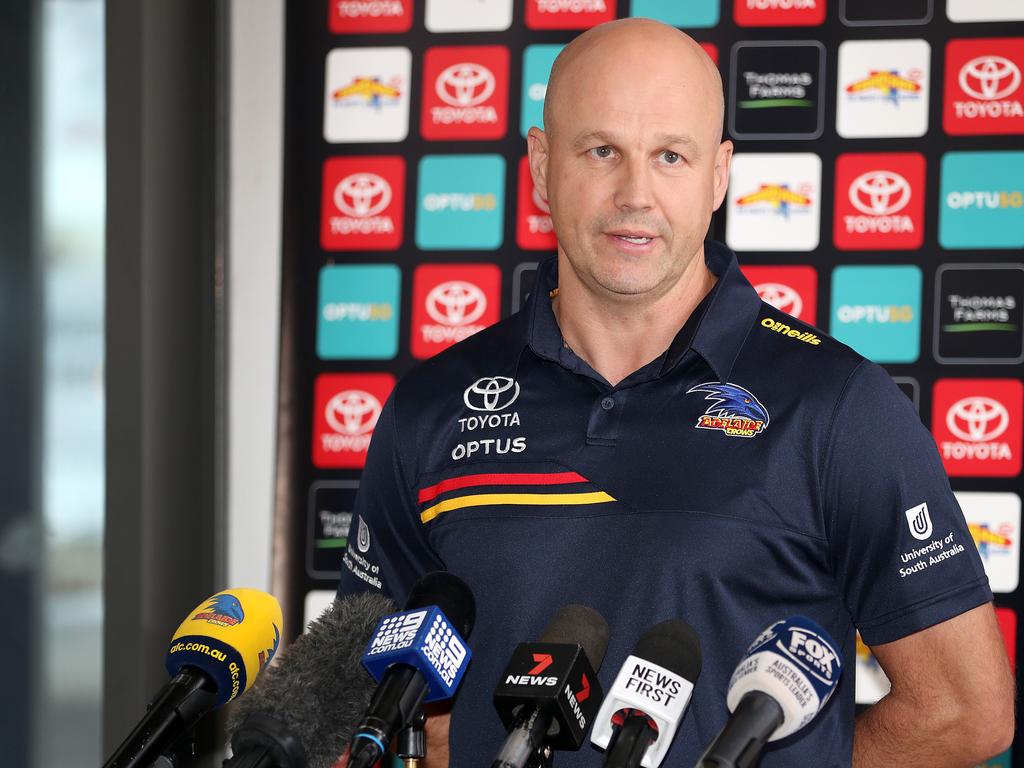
point(631, 160)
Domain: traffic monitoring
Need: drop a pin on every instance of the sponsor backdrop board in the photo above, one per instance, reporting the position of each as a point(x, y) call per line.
point(877, 192)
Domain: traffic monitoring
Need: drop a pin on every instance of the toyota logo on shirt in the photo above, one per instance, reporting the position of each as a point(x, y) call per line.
point(989, 77)
point(465, 84)
point(456, 302)
point(491, 393)
point(352, 412)
point(362, 195)
point(977, 419)
point(880, 193)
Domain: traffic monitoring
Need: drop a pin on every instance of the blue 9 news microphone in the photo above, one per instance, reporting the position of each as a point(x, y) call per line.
point(214, 657)
point(788, 675)
point(417, 656)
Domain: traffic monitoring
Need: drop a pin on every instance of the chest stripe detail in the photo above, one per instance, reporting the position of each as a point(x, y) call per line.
point(492, 499)
point(522, 478)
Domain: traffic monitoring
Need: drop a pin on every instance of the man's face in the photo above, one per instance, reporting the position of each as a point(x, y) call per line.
point(632, 169)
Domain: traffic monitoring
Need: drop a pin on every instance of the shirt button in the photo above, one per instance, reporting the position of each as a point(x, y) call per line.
point(607, 403)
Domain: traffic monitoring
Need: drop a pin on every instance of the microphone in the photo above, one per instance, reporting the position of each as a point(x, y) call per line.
point(786, 678)
point(549, 692)
point(643, 709)
point(417, 656)
point(214, 657)
point(302, 711)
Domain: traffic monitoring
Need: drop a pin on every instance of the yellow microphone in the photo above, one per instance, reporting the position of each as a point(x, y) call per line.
point(214, 657)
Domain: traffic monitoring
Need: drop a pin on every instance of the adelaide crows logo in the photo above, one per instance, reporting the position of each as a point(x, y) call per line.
point(733, 410)
point(224, 610)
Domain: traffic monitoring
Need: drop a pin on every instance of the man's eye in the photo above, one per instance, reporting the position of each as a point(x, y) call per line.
point(672, 158)
point(602, 152)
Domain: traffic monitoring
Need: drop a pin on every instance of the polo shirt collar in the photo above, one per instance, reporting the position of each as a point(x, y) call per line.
point(730, 310)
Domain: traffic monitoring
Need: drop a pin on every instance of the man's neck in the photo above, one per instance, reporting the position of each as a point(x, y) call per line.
point(617, 336)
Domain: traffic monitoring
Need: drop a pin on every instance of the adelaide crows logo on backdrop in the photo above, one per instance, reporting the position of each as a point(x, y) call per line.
point(733, 410)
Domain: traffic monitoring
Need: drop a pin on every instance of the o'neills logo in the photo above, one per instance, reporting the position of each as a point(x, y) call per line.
point(352, 415)
point(733, 410)
point(455, 306)
point(374, 9)
point(989, 80)
point(794, 333)
point(464, 88)
point(979, 422)
point(571, 6)
point(880, 196)
point(362, 197)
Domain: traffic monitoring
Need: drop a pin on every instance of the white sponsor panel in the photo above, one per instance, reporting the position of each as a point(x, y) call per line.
point(994, 522)
point(883, 88)
point(366, 94)
point(315, 603)
point(467, 15)
point(985, 10)
point(774, 202)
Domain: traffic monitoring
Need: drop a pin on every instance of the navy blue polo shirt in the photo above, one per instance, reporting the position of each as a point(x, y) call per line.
point(756, 470)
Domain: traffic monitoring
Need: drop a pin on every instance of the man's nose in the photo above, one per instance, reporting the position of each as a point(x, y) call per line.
point(633, 186)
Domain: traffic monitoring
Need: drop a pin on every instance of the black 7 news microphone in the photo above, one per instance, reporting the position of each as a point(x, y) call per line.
point(549, 693)
point(645, 705)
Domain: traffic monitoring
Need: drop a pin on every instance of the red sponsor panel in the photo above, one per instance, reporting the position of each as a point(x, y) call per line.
point(346, 407)
point(879, 201)
point(984, 92)
point(534, 230)
point(348, 17)
point(791, 289)
point(977, 426)
point(451, 302)
point(778, 13)
point(1007, 619)
point(568, 14)
point(711, 50)
point(362, 203)
point(465, 92)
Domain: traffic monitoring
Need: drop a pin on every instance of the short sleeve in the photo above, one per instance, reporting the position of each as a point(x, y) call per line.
point(387, 546)
point(901, 550)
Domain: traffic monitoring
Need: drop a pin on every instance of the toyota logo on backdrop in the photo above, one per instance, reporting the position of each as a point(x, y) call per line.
point(989, 77)
point(352, 412)
point(977, 419)
point(491, 393)
point(465, 84)
point(456, 303)
point(540, 202)
point(780, 296)
point(879, 193)
point(355, 195)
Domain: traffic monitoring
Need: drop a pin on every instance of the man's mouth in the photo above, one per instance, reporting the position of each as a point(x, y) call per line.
point(636, 238)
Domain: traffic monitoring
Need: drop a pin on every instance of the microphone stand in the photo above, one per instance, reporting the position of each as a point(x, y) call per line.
point(411, 743)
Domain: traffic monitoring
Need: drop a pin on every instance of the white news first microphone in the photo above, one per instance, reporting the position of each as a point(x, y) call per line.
point(643, 709)
point(788, 675)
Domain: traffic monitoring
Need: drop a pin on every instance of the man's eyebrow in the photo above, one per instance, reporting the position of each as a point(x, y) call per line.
point(591, 138)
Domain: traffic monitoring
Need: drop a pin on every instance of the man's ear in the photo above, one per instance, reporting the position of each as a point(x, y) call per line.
point(537, 146)
point(723, 162)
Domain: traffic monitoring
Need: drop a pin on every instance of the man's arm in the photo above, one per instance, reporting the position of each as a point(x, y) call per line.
point(951, 702)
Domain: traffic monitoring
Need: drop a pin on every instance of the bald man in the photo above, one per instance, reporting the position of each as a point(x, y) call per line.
point(648, 438)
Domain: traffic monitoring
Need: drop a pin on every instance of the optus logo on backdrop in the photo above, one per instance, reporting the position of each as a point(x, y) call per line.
point(465, 92)
point(362, 203)
point(346, 407)
point(977, 425)
point(774, 90)
point(790, 289)
point(879, 201)
point(568, 14)
point(451, 302)
point(774, 202)
point(982, 197)
point(534, 229)
point(882, 88)
point(461, 202)
point(994, 522)
point(778, 13)
point(877, 311)
point(369, 16)
point(366, 94)
point(979, 315)
point(984, 86)
point(357, 314)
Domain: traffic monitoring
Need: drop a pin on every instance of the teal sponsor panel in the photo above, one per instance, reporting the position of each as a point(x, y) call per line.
point(460, 202)
point(679, 13)
point(537, 61)
point(358, 312)
point(982, 200)
point(877, 311)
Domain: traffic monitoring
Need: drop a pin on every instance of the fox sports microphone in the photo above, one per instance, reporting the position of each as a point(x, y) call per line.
point(214, 657)
point(643, 709)
point(417, 656)
point(549, 692)
point(784, 681)
point(303, 709)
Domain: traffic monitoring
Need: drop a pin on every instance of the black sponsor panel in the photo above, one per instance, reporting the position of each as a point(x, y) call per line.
point(522, 283)
point(330, 514)
point(978, 315)
point(885, 12)
point(909, 387)
point(775, 90)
